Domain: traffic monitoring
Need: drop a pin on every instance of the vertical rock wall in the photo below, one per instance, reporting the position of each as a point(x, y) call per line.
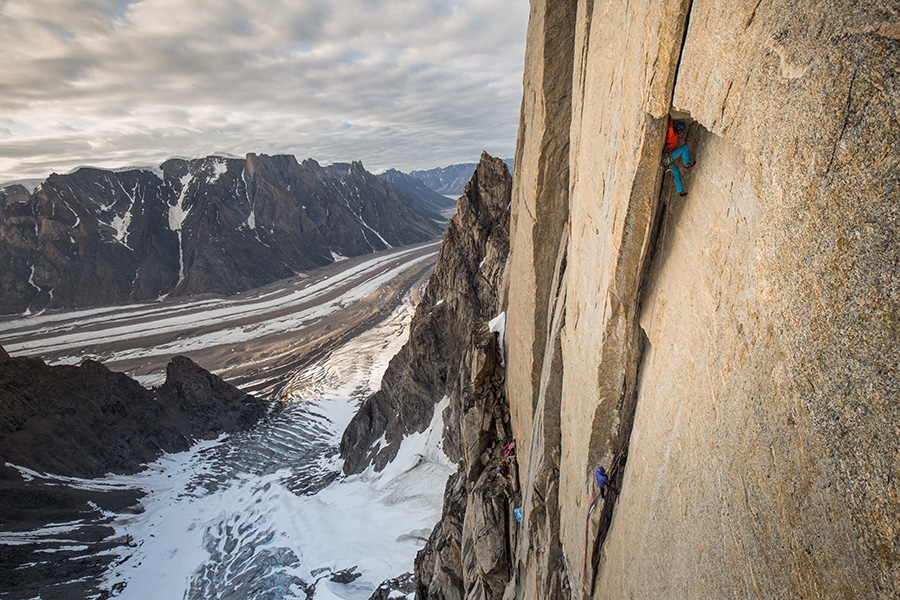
point(628, 56)
point(537, 261)
point(740, 341)
point(810, 97)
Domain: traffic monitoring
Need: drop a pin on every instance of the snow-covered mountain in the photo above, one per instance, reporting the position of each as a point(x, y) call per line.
point(452, 179)
point(213, 225)
point(427, 198)
point(275, 512)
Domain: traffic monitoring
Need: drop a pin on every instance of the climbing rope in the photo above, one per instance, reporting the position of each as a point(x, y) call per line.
point(613, 471)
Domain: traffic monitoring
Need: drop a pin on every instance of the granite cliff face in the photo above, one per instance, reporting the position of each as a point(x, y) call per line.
point(742, 338)
point(214, 225)
point(739, 343)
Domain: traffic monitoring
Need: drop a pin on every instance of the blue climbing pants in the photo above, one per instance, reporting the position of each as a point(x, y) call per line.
point(676, 175)
point(683, 152)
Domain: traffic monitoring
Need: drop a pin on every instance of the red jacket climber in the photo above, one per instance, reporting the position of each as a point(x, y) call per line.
point(672, 136)
point(673, 151)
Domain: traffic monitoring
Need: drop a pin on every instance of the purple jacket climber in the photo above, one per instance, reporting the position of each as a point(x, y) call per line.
point(601, 478)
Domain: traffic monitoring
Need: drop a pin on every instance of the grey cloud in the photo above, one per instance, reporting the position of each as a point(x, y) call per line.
point(35, 148)
point(399, 83)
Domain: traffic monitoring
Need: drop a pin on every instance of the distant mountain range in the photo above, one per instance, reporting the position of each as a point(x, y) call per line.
point(415, 187)
point(214, 225)
point(451, 180)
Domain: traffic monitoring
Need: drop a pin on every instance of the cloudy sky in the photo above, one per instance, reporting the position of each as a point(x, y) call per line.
point(409, 84)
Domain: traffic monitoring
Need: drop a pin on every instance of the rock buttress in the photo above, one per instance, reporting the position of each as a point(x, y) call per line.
point(453, 352)
point(462, 296)
point(88, 421)
point(536, 294)
point(742, 340)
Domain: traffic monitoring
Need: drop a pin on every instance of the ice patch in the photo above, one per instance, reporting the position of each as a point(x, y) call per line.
point(250, 223)
point(337, 257)
point(366, 225)
point(219, 169)
point(498, 325)
point(177, 216)
point(177, 212)
point(379, 521)
point(378, 444)
point(416, 448)
point(31, 280)
point(121, 223)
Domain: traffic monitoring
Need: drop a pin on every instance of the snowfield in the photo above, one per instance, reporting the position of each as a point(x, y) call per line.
point(265, 513)
point(227, 516)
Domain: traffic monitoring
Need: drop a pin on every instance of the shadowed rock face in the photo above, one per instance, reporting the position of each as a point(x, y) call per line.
point(13, 193)
point(462, 295)
point(451, 352)
point(214, 225)
point(87, 421)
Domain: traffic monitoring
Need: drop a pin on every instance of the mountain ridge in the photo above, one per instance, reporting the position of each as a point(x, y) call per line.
point(214, 225)
point(429, 198)
point(452, 179)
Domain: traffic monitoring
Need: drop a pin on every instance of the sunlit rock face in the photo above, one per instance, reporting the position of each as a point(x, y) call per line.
point(214, 225)
point(739, 342)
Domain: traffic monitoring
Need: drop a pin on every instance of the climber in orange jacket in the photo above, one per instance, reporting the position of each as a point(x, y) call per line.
point(673, 151)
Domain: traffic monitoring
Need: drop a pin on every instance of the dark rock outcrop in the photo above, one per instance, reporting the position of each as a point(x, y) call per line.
point(214, 225)
point(469, 552)
point(87, 421)
point(13, 193)
point(402, 585)
point(452, 351)
point(461, 294)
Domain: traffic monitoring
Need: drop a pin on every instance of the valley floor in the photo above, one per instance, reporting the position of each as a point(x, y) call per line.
point(264, 513)
point(253, 340)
